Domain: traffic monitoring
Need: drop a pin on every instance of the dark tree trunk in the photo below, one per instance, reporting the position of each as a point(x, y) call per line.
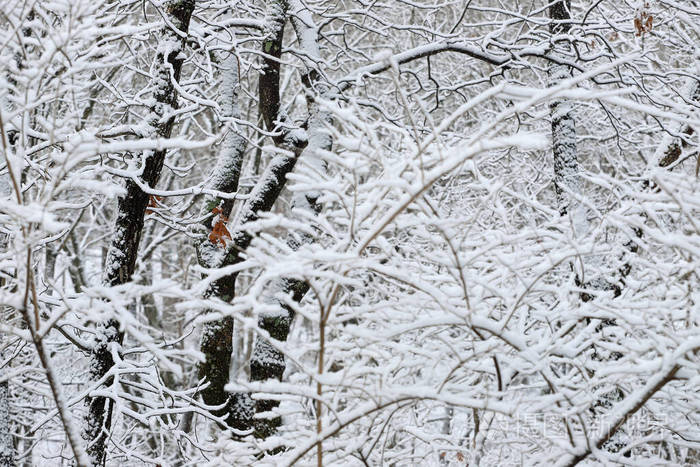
point(217, 338)
point(566, 166)
point(7, 448)
point(121, 259)
point(268, 362)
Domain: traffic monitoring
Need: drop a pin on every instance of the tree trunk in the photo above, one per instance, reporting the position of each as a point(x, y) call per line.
point(267, 362)
point(567, 183)
point(7, 448)
point(121, 259)
point(217, 337)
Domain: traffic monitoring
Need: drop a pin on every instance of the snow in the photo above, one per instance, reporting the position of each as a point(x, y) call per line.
point(460, 235)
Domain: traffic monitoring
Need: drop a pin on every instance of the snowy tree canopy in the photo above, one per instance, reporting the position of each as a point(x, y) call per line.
point(315, 232)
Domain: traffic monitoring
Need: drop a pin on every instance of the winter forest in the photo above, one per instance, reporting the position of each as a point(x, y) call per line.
point(349, 232)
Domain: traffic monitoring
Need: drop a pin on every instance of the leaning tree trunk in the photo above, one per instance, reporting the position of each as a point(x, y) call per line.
point(217, 338)
point(267, 362)
point(121, 259)
point(568, 186)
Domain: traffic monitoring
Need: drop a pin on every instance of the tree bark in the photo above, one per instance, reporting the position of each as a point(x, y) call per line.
point(121, 258)
point(7, 448)
point(217, 338)
point(672, 148)
point(566, 167)
point(6, 444)
point(267, 362)
point(216, 341)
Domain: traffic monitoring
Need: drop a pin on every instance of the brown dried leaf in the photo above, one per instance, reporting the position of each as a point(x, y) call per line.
point(219, 233)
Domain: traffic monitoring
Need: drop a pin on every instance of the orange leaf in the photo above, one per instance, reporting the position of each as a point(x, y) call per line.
point(219, 233)
point(638, 26)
